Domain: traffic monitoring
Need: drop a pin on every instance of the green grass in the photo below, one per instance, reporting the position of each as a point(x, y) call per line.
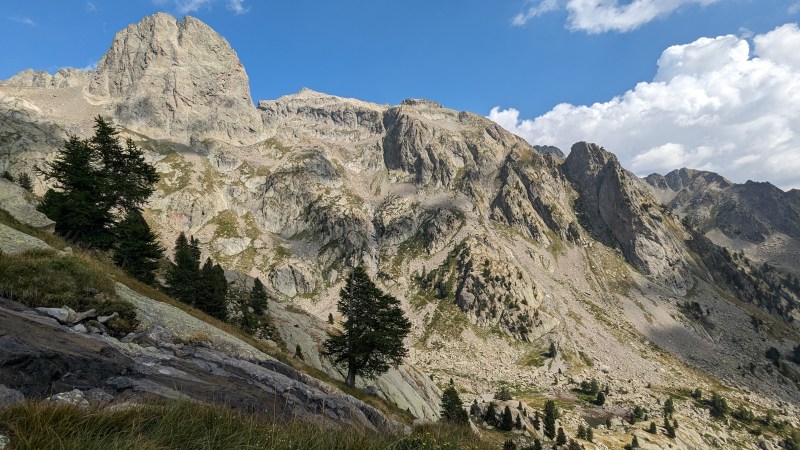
point(43, 278)
point(184, 425)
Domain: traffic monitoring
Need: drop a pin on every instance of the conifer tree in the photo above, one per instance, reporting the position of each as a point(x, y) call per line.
point(98, 182)
point(537, 444)
point(509, 445)
point(24, 181)
point(601, 399)
point(573, 445)
point(635, 442)
point(217, 303)
point(183, 274)
point(374, 329)
point(581, 433)
point(137, 250)
point(536, 422)
point(258, 297)
point(506, 420)
point(452, 409)
point(474, 409)
point(550, 417)
point(590, 434)
point(490, 417)
point(518, 422)
point(669, 407)
point(561, 437)
point(652, 429)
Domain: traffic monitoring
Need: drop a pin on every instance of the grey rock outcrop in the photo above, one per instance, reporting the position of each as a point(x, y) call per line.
point(63, 78)
point(9, 397)
point(19, 204)
point(178, 80)
point(617, 209)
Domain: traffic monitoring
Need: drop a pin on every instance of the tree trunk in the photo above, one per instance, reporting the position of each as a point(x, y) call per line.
point(351, 376)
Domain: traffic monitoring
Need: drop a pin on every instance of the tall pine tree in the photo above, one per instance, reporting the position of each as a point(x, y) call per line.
point(183, 274)
point(452, 408)
point(550, 417)
point(137, 250)
point(374, 329)
point(258, 297)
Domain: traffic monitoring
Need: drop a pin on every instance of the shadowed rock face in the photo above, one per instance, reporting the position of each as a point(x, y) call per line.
point(617, 209)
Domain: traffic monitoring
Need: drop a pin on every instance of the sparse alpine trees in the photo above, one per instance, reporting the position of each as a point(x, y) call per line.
point(374, 329)
point(550, 417)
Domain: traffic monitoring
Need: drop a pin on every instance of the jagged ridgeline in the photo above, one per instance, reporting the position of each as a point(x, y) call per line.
point(497, 249)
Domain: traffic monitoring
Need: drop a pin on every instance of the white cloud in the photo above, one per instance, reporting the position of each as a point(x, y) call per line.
point(712, 105)
point(237, 6)
point(536, 10)
point(598, 16)
point(192, 6)
point(794, 8)
point(24, 21)
point(91, 7)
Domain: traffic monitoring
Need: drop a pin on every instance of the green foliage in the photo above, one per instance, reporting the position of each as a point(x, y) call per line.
point(506, 420)
point(581, 433)
point(182, 276)
point(669, 407)
point(590, 387)
point(503, 394)
point(653, 429)
point(718, 407)
point(137, 250)
point(43, 278)
point(25, 182)
point(509, 445)
point(601, 399)
point(211, 295)
point(330, 318)
point(490, 417)
point(452, 409)
point(374, 329)
point(573, 445)
point(590, 434)
point(637, 414)
point(258, 297)
point(98, 182)
point(773, 355)
point(744, 415)
point(552, 351)
point(670, 429)
point(634, 442)
point(697, 394)
point(189, 425)
point(536, 421)
point(561, 437)
point(550, 417)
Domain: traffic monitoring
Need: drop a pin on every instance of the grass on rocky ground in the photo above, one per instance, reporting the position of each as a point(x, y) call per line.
point(185, 425)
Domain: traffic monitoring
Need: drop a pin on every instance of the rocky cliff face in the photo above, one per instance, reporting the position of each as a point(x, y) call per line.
point(494, 247)
point(758, 218)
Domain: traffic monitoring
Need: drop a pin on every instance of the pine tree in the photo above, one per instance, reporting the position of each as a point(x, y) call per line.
point(550, 417)
point(330, 318)
point(537, 444)
point(652, 429)
point(490, 417)
point(503, 394)
point(506, 420)
point(509, 445)
point(561, 437)
point(24, 181)
point(635, 442)
point(552, 351)
point(474, 409)
point(601, 399)
point(183, 275)
point(669, 407)
point(217, 300)
point(581, 433)
point(536, 422)
point(590, 434)
point(670, 430)
point(452, 409)
point(137, 250)
point(258, 297)
point(718, 407)
point(374, 329)
point(98, 182)
point(573, 445)
point(518, 422)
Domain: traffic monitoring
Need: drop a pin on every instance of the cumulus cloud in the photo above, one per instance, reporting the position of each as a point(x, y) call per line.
point(712, 105)
point(598, 16)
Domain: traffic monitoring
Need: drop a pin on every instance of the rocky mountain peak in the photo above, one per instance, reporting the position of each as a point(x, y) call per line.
point(681, 178)
point(177, 79)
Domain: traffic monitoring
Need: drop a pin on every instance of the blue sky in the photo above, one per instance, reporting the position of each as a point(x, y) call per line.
point(468, 55)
